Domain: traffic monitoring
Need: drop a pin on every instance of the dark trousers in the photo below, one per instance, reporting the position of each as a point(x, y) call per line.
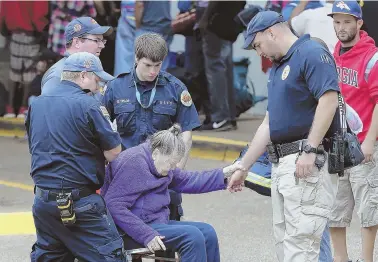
point(194, 241)
point(93, 237)
point(195, 66)
point(219, 72)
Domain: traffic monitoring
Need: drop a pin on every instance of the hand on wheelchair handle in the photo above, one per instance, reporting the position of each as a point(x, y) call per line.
point(156, 244)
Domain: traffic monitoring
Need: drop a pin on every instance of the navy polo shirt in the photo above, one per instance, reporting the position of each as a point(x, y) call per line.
point(295, 85)
point(68, 132)
point(135, 123)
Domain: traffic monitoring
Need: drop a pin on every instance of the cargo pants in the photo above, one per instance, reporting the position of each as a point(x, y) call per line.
point(301, 210)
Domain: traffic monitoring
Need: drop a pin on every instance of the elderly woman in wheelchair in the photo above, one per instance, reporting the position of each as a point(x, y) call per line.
point(136, 193)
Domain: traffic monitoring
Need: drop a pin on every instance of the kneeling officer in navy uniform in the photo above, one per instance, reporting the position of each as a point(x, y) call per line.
point(70, 137)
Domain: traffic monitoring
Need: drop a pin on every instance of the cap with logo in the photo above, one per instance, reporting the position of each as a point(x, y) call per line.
point(262, 21)
point(347, 8)
point(85, 25)
point(84, 61)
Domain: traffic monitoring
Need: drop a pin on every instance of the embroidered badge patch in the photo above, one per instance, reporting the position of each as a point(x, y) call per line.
point(118, 101)
point(342, 5)
point(88, 63)
point(103, 89)
point(104, 111)
point(285, 72)
point(107, 116)
point(186, 99)
point(325, 59)
point(77, 28)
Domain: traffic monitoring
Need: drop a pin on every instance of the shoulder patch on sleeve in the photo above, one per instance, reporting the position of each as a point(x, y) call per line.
point(103, 89)
point(104, 111)
point(186, 98)
point(106, 115)
point(325, 58)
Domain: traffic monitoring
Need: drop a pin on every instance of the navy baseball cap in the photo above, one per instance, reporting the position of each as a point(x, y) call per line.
point(84, 61)
point(347, 8)
point(85, 25)
point(260, 22)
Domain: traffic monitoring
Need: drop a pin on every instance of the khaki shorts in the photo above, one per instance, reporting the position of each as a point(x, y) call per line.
point(358, 188)
point(300, 211)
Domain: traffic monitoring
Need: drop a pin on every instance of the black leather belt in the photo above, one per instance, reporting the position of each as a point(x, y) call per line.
point(277, 151)
point(286, 149)
point(52, 194)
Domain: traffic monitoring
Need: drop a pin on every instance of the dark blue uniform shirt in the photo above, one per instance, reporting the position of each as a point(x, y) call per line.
point(51, 78)
point(68, 132)
point(171, 104)
point(295, 85)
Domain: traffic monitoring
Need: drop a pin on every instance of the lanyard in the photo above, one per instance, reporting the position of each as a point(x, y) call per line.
point(153, 92)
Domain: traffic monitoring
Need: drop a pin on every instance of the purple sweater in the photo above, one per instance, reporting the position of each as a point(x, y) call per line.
point(136, 195)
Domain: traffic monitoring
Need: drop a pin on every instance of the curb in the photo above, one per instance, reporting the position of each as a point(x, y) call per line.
point(206, 147)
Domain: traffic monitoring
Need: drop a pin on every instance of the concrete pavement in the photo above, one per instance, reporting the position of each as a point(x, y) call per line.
point(206, 144)
point(242, 220)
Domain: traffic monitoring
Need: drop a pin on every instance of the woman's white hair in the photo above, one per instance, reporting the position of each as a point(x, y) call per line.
point(169, 142)
point(70, 76)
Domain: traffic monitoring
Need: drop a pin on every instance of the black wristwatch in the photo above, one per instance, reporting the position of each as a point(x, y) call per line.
point(308, 149)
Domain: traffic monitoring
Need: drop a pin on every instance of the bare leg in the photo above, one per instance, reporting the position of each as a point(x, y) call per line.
point(338, 235)
point(368, 238)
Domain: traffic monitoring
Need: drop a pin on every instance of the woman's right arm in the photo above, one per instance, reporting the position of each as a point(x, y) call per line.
point(125, 189)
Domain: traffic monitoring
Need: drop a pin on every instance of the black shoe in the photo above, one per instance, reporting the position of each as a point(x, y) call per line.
point(206, 121)
point(224, 125)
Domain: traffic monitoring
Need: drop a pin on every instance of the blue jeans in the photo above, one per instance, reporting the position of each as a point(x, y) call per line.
point(194, 241)
point(219, 72)
point(124, 47)
point(93, 237)
point(194, 60)
point(325, 247)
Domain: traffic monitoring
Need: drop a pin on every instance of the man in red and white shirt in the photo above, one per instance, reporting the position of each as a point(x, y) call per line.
point(25, 21)
point(357, 64)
